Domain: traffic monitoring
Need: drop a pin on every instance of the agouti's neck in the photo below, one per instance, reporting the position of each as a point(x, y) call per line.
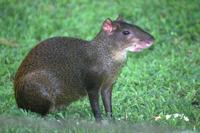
point(105, 47)
point(101, 57)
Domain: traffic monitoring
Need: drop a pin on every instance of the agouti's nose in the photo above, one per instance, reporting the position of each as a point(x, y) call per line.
point(150, 40)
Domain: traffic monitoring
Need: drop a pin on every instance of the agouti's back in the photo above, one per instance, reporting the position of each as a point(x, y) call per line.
point(52, 53)
point(48, 67)
point(61, 70)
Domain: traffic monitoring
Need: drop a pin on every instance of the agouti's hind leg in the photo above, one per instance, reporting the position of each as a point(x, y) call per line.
point(39, 105)
point(35, 94)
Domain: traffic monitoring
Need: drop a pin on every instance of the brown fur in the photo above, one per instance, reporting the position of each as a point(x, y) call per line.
point(61, 70)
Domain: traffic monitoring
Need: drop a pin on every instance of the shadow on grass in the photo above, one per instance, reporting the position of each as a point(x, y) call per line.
point(24, 124)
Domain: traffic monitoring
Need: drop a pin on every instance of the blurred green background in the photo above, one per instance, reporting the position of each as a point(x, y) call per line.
point(158, 82)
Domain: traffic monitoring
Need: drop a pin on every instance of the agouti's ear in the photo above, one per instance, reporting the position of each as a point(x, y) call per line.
point(120, 18)
point(108, 26)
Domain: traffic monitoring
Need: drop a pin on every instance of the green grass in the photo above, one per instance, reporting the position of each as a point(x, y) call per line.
point(160, 81)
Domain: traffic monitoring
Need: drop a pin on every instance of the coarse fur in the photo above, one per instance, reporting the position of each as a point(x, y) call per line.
point(61, 70)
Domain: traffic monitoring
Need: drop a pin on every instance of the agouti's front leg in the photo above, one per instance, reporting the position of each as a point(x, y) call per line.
point(106, 95)
point(94, 102)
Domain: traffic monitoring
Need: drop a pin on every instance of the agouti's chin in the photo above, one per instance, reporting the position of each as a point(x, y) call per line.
point(139, 46)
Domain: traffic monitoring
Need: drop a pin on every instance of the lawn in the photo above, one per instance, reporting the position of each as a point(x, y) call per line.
point(158, 90)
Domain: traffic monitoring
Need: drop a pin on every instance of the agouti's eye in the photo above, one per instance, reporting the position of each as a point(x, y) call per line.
point(126, 32)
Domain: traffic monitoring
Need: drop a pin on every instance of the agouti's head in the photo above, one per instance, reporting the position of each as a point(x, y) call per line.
point(125, 37)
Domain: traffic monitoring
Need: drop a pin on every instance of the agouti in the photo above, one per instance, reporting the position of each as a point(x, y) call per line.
point(61, 70)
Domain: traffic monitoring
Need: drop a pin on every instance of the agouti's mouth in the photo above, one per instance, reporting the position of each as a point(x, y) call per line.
point(137, 47)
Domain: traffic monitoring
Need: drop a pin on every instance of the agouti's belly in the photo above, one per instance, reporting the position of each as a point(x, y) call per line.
point(67, 95)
